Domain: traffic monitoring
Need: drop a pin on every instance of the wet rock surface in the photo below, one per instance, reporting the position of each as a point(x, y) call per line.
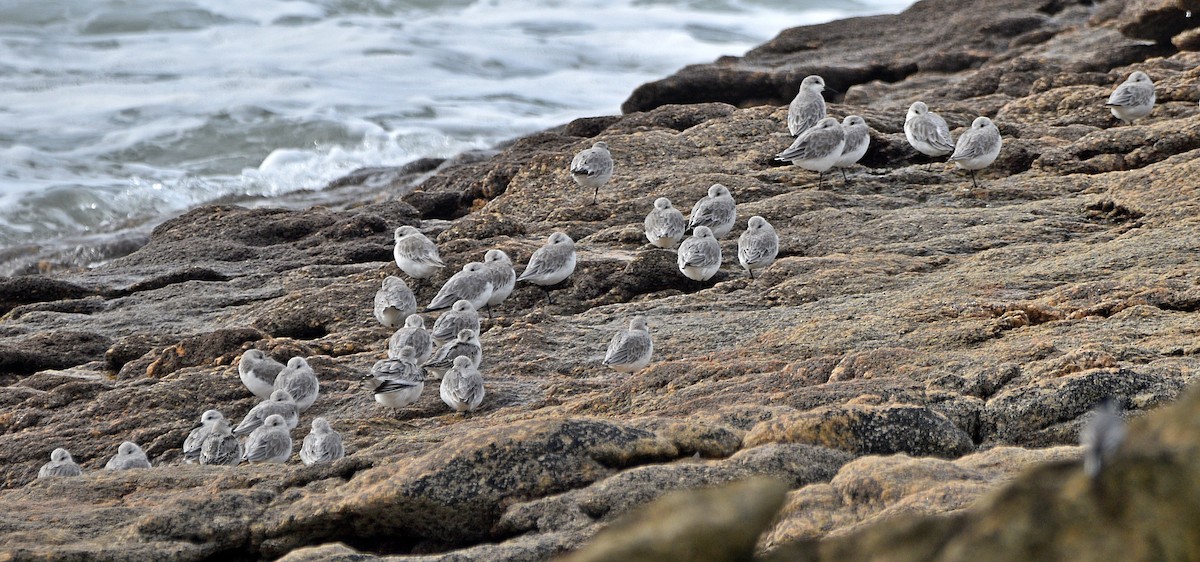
point(912, 371)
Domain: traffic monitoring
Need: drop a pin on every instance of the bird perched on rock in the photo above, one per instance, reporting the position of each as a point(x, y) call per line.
point(817, 149)
point(717, 211)
point(758, 245)
point(665, 224)
point(551, 264)
point(927, 132)
point(462, 386)
point(502, 276)
point(220, 447)
point(412, 334)
point(1133, 99)
point(195, 439)
point(322, 444)
point(300, 381)
point(462, 316)
point(1101, 435)
point(472, 284)
point(258, 372)
point(416, 255)
point(465, 345)
point(129, 456)
point(630, 350)
point(978, 147)
point(269, 442)
point(593, 167)
point(394, 302)
point(61, 464)
point(280, 403)
point(808, 107)
point(396, 382)
point(858, 139)
point(699, 257)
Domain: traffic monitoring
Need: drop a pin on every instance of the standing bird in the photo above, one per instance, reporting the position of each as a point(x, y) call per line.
point(630, 350)
point(462, 316)
point(270, 442)
point(416, 255)
point(818, 148)
point(758, 245)
point(593, 167)
point(472, 284)
point(717, 211)
point(195, 439)
point(1101, 435)
point(300, 381)
point(258, 372)
point(128, 456)
point(551, 264)
point(61, 464)
point(220, 447)
point(502, 276)
point(1133, 99)
point(398, 381)
point(665, 224)
point(858, 139)
point(466, 345)
point(280, 403)
point(412, 334)
point(699, 257)
point(462, 387)
point(808, 107)
point(394, 302)
point(323, 444)
point(927, 132)
point(978, 147)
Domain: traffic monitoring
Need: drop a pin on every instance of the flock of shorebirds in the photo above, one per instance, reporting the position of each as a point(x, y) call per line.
point(821, 144)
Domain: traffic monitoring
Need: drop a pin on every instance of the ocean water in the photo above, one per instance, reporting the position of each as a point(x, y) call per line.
point(118, 114)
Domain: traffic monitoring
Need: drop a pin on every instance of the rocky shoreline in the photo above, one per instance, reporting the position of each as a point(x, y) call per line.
point(910, 375)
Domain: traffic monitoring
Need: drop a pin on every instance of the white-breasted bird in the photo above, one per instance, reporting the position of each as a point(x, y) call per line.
point(322, 444)
point(808, 107)
point(699, 257)
point(592, 168)
point(978, 147)
point(394, 302)
point(664, 224)
point(630, 350)
point(462, 386)
point(1133, 99)
point(758, 245)
point(551, 264)
point(717, 211)
point(416, 255)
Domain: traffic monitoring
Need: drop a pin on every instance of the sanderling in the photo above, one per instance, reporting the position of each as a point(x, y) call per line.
point(700, 256)
point(818, 148)
point(858, 139)
point(592, 167)
point(462, 386)
point(412, 334)
point(322, 444)
point(978, 147)
point(415, 254)
point(465, 345)
point(258, 372)
point(1133, 99)
point(394, 302)
point(500, 272)
point(630, 350)
point(758, 245)
point(808, 107)
point(1101, 435)
point(220, 447)
point(299, 379)
point(462, 316)
point(269, 442)
point(195, 439)
point(129, 456)
point(280, 403)
point(716, 210)
point(473, 284)
point(396, 382)
point(926, 131)
point(551, 264)
point(665, 225)
point(61, 464)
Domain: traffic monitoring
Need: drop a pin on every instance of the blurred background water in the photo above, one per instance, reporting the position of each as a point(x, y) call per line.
point(118, 114)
